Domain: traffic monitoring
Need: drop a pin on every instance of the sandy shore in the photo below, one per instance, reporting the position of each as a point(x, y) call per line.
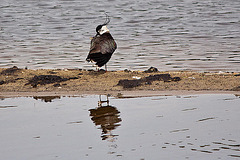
point(25, 82)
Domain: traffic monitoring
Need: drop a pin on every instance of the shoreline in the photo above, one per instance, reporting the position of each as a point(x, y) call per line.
point(117, 94)
point(17, 82)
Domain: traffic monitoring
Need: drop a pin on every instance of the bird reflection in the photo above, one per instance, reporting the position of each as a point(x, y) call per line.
point(107, 117)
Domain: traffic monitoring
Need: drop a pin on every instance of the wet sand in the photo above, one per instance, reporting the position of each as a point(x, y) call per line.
point(26, 82)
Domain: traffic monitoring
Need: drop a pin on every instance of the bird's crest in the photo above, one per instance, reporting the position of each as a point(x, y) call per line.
point(107, 20)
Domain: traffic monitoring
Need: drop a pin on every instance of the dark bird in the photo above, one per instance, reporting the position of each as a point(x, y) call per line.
point(102, 45)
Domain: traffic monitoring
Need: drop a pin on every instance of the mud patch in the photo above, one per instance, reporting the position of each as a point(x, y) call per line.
point(9, 81)
point(47, 79)
point(10, 71)
point(125, 83)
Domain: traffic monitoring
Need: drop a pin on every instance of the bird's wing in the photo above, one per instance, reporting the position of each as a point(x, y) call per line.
point(95, 47)
point(107, 43)
point(104, 44)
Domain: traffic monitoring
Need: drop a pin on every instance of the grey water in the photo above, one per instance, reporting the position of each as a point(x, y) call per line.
point(159, 127)
point(167, 34)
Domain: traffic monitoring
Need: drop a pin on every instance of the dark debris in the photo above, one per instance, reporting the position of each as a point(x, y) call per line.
point(9, 81)
point(2, 82)
point(127, 70)
point(151, 70)
point(47, 79)
point(10, 71)
point(130, 83)
point(57, 85)
point(125, 83)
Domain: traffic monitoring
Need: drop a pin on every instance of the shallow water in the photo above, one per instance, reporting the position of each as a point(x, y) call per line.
point(191, 127)
point(169, 35)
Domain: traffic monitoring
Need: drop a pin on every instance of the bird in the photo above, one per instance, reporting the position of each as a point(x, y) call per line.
point(102, 46)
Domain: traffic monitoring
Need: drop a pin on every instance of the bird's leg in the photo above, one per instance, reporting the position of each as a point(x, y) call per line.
point(100, 101)
point(105, 67)
point(97, 68)
point(107, 101)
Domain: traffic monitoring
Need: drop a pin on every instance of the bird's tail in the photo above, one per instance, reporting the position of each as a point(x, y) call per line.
point(99, 58)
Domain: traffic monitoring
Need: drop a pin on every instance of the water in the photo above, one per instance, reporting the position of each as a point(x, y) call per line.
point(169, 35)
point(191, 127)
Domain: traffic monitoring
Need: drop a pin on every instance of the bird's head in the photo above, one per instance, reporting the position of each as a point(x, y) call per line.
point(103, 27)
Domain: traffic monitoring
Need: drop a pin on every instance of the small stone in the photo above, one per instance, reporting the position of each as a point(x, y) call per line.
point(2, 82)
point(151, 70)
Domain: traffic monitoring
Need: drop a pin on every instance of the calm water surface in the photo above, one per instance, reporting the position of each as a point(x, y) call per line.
point(191, 127)
point(167, 34)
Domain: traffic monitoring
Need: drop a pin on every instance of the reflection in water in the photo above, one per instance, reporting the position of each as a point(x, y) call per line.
point(107, 117)
point(7, 106)
point(46, 98)
point(205, 127)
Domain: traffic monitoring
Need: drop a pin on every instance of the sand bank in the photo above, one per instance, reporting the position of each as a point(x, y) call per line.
point(26, 82)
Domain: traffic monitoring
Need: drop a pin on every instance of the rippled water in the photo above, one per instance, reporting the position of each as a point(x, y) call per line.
point(191, 127)
point(175, 34)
